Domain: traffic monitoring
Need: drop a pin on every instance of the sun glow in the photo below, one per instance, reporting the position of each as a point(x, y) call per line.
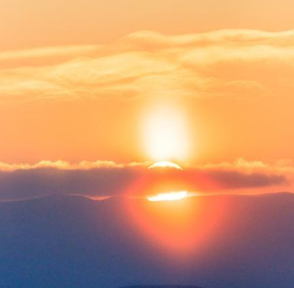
point(166, 134)
point(170, 196)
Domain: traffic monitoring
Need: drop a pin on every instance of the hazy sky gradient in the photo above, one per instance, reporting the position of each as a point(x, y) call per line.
point(27, 24)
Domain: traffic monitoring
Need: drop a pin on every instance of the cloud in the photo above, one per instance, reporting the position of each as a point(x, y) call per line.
point(103, 179)
point(148, 64)
point(64, 165)
point(47, 53)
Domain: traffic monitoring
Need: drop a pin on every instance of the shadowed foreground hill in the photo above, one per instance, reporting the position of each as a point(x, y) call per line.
point(74, 242)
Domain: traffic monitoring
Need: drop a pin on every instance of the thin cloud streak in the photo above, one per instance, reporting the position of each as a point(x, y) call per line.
point(147, 63)
point(65, 165)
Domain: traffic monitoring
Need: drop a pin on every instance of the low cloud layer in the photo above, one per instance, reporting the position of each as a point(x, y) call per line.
point(99, 180)
point(145, 64)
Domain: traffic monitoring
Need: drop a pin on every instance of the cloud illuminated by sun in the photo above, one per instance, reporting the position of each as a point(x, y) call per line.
point(165, 164)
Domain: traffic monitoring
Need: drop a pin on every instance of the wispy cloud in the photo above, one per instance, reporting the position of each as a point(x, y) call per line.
point(150, 64)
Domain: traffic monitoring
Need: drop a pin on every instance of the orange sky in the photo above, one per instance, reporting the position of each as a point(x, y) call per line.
point(31, 23)
point(76, 85)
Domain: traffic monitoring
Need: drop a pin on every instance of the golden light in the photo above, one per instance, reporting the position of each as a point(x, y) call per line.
point(166, 134)
point(179, 227)
point(170, 196)
point(165, 164)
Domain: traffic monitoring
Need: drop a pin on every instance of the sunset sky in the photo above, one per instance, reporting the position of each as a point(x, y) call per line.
point(100, 81)
point(93, 93)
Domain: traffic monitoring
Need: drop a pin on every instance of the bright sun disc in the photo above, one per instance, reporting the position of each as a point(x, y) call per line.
point(170, 196)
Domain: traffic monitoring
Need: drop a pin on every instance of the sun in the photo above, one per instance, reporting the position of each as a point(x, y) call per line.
point(169, 196)
point(165, 134)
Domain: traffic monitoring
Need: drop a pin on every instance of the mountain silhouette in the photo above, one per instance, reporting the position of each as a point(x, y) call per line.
point(73, 242)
